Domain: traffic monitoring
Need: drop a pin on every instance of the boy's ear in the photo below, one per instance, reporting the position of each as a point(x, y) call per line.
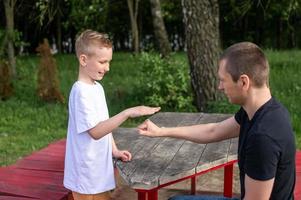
point(83, 60)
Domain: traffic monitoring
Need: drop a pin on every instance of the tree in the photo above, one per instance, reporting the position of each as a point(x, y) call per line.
point(201, 19)
point(9, 40)
point(133, 6)
point(159, 28)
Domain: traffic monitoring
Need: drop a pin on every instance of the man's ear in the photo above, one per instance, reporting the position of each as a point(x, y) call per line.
point(83, 60)
point(244, 81)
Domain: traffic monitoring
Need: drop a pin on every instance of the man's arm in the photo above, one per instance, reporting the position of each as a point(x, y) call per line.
point(201, 133)
point(259, 190)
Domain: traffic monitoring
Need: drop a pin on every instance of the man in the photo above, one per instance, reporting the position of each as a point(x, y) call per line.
point(266, 150)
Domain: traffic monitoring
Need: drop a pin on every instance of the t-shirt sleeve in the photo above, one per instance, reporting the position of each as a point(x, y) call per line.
point(238, 115)
point(261, 158)
point(86, 115)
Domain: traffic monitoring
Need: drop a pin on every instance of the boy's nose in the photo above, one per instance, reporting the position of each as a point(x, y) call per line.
point(107, 68)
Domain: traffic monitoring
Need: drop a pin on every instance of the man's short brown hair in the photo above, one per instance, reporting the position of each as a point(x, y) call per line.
point(247, 58)
point(90, 38)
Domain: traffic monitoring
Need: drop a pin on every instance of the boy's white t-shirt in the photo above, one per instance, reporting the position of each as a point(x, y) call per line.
point(88, 162)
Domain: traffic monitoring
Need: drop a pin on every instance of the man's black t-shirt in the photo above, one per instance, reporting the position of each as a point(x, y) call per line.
point(267, 149)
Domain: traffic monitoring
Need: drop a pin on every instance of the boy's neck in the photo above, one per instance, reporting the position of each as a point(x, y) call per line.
point(82, 77)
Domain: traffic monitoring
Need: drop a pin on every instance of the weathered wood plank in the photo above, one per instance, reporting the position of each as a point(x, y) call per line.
point(147, 173)
point(171, 119)
point(127, 138)
point(184, 162)
point(186, 158)
point(214, 154)
point(141, 148)
point(214, 117)
point(160, 160)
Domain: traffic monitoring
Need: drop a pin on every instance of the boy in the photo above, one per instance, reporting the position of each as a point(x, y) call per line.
point(90, 145)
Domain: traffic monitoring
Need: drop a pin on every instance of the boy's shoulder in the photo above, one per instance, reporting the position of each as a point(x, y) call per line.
point(80, 88)
point(85, 86)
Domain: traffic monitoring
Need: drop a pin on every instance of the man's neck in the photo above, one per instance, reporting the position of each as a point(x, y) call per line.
point(257, 98)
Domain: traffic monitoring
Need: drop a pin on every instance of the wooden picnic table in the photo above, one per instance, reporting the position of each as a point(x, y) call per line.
point(162, 161)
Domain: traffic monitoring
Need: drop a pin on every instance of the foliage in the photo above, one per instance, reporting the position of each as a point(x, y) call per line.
point(267, 23)
point(48, 82)
point(47, 10)
point(164, 82)
point(17, 39)
point(263, 22)
point(88, 14)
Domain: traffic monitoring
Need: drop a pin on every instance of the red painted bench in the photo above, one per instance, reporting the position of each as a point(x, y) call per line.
point(40, 176)
point(37, 176)
point(298, 176)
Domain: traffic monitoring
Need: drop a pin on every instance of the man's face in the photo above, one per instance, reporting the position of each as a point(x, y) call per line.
point(232, 89)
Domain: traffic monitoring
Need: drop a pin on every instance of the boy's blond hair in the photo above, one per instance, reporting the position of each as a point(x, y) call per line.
point(90, 38)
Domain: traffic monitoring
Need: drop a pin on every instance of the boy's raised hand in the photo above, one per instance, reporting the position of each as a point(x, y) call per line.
point(148, 128)
point(139, 111)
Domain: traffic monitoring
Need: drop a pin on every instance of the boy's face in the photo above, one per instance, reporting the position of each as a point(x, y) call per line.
point(97, 64)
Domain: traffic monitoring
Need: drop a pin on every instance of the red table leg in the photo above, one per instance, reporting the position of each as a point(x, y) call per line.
point(153, 194)
point(141, 195)
point(228, 180)
point(193, 185)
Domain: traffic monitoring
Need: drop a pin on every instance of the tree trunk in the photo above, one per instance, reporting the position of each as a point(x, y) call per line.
point(59, 32)
point(292, 33)
point(134, 26)
point(9, 14)
point(201, 20)
point(159, 28)
point(279, 30)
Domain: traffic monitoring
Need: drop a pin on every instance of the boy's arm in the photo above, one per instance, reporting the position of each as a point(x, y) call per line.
point(120, 154)
point(201, 133)
point(107, 126)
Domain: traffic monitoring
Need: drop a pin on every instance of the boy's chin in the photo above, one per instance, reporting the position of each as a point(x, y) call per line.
point(99, 78)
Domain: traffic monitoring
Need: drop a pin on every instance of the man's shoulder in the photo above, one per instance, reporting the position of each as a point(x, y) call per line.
point(275, 115)
point(274, 123)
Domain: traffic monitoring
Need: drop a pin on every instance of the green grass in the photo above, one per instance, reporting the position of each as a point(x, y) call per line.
point(28, 124)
